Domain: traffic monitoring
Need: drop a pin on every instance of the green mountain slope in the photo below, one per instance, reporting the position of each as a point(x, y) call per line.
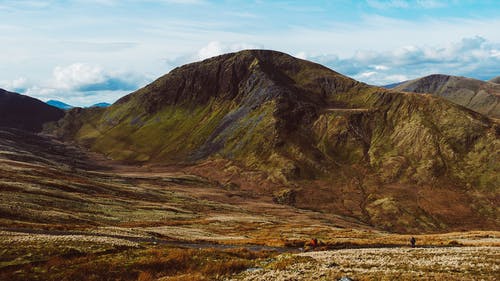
point(339, 145)
point(480, 96)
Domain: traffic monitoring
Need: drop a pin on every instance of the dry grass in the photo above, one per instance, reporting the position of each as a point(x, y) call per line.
point(58, 223)
point(145, 276)
point(144, 265)
point(457, 263)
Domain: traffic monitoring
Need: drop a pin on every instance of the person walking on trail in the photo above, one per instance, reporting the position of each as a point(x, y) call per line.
point(311, 245)
point(314, 242)
point(413, 241)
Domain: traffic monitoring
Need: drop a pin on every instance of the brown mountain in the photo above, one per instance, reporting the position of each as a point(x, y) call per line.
point(480, 96)
point(25, 113)
point(495, 80)
point(397, 161)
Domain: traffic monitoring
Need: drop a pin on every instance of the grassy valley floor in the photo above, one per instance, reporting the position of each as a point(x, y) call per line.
point(66, 216)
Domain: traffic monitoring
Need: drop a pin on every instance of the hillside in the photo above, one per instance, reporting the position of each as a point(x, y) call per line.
point(495, 80)
point(480, 96)
point(26, 113)
point(69, 218)
point(396, 161)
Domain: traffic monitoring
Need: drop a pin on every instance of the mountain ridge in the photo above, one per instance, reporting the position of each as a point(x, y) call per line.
point(26, 113)
point(481, 96)
point(326, 138)
point(495, 80)
point(65, 106)
point(59, 104)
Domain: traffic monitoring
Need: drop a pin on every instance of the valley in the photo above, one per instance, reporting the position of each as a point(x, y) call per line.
point(225, 169)
point(64, 218)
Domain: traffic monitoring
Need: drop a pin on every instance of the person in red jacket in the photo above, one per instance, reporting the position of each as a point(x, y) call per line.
point(313, 243)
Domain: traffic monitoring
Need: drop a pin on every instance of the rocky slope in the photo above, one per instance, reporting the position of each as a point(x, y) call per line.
point(495, 80)
point(398, 161)
point(26, 113)
point(480, 96)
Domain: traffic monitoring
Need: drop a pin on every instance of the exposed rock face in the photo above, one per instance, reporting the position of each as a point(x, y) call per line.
point(25, 113)
point(399, 161)
point(480, 96)
point(495, 80)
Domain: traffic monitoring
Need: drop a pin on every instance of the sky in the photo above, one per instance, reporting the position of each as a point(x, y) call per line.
point(86, 51)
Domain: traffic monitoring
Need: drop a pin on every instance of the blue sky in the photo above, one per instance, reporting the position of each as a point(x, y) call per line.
point(87, 51)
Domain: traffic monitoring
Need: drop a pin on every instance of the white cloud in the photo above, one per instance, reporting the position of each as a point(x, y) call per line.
point(19, 84)
point(216, 48)
point(81, 84)
point(76, 75)
point(473, 57)
point(367, 74)
point(301, 55)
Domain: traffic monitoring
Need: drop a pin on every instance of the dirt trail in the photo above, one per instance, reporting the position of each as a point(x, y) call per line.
point(347, 110)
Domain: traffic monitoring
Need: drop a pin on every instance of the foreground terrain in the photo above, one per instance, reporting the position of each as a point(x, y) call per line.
point(69, 215)
point(458, 263)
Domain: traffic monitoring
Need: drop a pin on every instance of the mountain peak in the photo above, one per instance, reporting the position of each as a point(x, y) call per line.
point(310, 129)
point(59, 104)
point(480, 96)
point(234, 76)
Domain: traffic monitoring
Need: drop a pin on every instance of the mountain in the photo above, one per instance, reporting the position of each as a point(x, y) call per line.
point(393, 85)
point(480, 96)
point(65, 106)
point(25, 113)
point(397, 161)
point(59, 104)
point(495, 80)
point(101, 104)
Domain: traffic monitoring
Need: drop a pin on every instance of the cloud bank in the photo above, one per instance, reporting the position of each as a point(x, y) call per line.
point(83, 84)
point(79, 84)
point(472, 57)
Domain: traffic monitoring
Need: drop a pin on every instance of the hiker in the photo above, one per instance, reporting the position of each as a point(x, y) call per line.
point(313, 242)
point(413, 241)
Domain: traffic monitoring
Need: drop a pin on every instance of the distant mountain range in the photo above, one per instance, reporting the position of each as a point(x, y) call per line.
point(65, 106)
point(59, 104)
point(480, 96)
point(101, 104)
point(393, 85)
